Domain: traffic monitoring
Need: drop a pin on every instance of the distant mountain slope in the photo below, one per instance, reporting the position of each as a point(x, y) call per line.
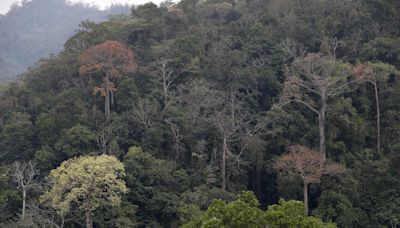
point(39, 28)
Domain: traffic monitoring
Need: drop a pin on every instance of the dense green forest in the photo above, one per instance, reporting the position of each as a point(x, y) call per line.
point(245, 113)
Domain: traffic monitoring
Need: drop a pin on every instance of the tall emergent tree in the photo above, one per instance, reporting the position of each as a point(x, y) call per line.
point(376, 74)
point(110, 59)
point(301, 161)
point(87, 183)
point(311, 81)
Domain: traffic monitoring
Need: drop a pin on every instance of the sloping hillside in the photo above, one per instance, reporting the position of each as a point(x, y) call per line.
point(39, 28)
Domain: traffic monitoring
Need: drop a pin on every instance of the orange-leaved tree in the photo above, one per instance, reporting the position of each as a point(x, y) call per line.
point(306, 163)
point(110, 59)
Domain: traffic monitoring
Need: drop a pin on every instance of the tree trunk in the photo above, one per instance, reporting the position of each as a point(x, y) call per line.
point(23, 203)
point(378, 119)
point(223, 165)
point(88, 219)
point(322, 133)
point(305, 195)
point(259, 166)
point(62, 222)
point(165, 89)
point(107, 98)
point(392, 224)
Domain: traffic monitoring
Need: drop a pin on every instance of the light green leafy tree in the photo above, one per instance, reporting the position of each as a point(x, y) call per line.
point(290, 214)
point(87, 183)
point(243, 212)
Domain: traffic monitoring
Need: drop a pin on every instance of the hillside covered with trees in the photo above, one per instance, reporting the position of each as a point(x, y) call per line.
point(247, 113)
point(39, 28)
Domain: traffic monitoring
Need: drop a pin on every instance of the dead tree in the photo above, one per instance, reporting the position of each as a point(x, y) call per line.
point(168, 76)
point(45, 216)
point(236, 126)
point(313, 80)
point(197, 98)
point(23, 174)
point(228, 122)
point(292, 49)
point(106, 137)
point(175, 129)
point(144, 111)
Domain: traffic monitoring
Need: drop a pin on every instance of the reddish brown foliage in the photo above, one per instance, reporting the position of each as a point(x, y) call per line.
point(101, 89)
point(364, 72)
point(306, 163)
point(110, 58)
point(301, 161)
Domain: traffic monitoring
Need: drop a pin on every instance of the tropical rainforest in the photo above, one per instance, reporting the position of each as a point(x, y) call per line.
point(236, 113)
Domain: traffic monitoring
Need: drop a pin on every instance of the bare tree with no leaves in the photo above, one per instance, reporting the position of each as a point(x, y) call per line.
point(23, 174)
point(106, 138)
point(236, 126)
point(312, 80)
point(168, 76)
point(144, 112)
point(306, 163)
point(45, 216)
point(178, 137)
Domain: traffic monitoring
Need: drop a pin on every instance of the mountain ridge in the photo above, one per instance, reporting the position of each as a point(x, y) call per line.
point(39, 28)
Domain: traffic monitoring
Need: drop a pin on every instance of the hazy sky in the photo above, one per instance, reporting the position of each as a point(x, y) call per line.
point(5, 4)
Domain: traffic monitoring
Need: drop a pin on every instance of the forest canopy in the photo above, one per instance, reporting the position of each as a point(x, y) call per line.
point(210, 114)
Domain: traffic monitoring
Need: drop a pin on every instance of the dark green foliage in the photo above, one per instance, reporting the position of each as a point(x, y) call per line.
point(378, 195)
point(347, 130)
point(121, 216)
point(209, 71)
point(334, 206)
point(157, 184)
point(9, 199)
point(18, 141)
point(76, 141)
point(383, 49)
